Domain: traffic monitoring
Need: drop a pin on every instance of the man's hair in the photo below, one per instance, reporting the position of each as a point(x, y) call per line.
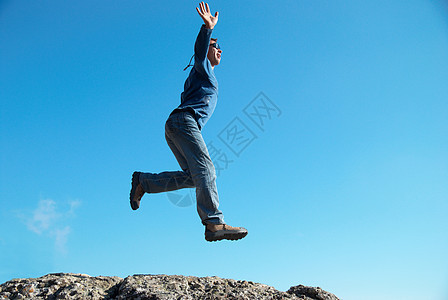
point(214, 40)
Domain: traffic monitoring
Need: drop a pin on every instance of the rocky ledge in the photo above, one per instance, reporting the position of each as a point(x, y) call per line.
point(146, 287)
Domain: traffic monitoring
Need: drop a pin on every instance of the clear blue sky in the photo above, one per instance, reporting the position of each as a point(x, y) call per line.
point(344, 187)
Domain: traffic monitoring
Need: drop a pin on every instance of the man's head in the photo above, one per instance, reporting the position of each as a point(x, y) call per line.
point(214, 53)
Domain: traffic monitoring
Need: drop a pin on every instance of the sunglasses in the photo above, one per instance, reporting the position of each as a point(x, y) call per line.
point(215, 45)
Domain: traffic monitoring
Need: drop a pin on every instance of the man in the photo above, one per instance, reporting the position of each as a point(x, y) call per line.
point(183, 135)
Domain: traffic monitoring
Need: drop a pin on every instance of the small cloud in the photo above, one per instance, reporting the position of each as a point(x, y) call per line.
point(73, 205)
point(46, 219)
point(43, 216)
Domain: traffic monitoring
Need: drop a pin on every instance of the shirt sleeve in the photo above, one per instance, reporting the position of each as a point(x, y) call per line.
point(201, 49)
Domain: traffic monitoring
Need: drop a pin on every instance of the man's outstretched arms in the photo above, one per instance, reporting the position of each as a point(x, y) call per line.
point(204, 12)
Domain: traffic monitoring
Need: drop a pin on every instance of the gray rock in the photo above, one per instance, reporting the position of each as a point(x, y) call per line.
point(146, 287)
point(61, 286)
point(311, 292)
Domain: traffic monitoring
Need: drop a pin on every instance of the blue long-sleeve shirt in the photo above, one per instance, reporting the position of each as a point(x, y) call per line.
point(200, 93)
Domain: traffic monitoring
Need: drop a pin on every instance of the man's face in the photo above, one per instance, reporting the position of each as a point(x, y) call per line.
point(214, 54)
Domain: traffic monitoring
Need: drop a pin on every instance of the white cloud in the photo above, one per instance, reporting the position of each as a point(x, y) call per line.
point(73, 205)
point(43, 216)
point(47, 219)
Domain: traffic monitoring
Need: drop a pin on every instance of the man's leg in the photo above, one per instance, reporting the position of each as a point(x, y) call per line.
point(165, 181)
point(202, 171)
point(157, 183)
point(168, 181)
point(162, 182)
point(189, 146)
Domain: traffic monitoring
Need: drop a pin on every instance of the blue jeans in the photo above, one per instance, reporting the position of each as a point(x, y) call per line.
point(185, 140)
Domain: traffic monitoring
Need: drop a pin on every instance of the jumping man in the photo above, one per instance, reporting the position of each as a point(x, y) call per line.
point(183, 135)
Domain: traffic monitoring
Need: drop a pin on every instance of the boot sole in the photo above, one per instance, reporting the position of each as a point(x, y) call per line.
point(134, 184)
point(224, 235)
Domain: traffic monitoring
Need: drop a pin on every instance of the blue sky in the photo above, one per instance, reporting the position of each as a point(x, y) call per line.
point(344, 186)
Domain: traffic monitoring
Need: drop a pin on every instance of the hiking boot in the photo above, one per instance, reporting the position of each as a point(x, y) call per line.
point(137, 191)
point(217, 232)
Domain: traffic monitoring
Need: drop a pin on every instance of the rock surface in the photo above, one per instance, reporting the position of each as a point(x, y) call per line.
point(150, 287)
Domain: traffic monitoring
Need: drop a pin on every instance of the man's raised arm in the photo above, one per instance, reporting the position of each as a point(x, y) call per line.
point(203, 39)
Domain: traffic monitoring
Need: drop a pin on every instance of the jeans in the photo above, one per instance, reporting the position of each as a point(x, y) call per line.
point(185, 140)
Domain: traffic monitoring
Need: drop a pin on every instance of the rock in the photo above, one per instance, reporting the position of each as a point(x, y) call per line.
point(61, 286)
point(146, 287)
point(311, 292)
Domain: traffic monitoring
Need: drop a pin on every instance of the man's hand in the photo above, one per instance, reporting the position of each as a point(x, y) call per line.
point(209, 20)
